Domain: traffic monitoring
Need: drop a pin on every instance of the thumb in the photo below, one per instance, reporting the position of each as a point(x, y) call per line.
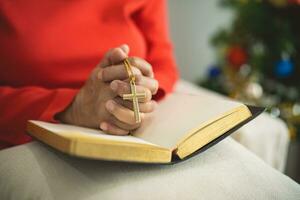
point(115, 55)
point(125, 48)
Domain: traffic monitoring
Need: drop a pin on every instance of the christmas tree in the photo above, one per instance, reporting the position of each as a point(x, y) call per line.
point(258, 57)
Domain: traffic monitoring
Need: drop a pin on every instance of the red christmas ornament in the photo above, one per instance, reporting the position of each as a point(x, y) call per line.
point(294, 1)
point(236, 56)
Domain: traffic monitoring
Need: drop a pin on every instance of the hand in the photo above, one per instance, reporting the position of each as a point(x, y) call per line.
point(141, 69)
point(98, 103)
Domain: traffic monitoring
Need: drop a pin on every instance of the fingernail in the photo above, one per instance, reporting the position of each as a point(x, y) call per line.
point(110, 105)
point(114, 85)
point(125, 48)
point(103, 126)
point(100, 74)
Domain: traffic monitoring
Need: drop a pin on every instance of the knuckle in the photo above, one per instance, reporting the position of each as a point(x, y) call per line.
point(156, 86)
point(133, 60)
point(139, 78)
point(148, 95)
point(96, 72)
point(104, 74)
point(149, 66)
point(136, 71)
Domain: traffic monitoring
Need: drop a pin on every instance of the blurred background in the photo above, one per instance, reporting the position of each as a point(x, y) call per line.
point(245, 49)
point(192, 25)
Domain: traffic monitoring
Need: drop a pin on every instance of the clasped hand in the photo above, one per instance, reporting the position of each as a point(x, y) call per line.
point(99, 103)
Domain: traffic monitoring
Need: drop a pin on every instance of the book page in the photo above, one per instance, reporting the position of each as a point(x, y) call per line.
point(180, 113)
point(77, 132)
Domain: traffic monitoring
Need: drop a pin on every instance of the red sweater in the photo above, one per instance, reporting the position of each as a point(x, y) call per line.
point(48, 48)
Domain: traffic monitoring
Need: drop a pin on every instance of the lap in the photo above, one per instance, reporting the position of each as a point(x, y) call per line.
point(227, 170)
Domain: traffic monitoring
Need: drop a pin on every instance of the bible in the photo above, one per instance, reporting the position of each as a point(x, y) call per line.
point(182, 126)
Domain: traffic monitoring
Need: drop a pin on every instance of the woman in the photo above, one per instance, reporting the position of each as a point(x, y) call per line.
point(49, 55)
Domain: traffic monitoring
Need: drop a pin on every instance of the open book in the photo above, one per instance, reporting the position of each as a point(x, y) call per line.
point(181, 126)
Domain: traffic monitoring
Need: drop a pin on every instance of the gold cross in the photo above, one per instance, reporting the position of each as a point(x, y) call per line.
point(134, 96)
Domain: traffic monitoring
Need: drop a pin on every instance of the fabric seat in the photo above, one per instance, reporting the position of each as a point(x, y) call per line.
point(226, 171)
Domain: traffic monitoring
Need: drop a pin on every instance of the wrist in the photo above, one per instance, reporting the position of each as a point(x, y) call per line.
point(68, 115)
point(65, 116)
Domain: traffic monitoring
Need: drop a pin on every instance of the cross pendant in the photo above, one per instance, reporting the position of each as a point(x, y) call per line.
point(134, 96)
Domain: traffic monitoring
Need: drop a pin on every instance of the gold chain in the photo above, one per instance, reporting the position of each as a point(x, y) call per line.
point(133, 96)
point(129, 70)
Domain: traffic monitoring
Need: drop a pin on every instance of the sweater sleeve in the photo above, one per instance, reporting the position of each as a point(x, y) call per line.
point(153, 23)
point(17, 105)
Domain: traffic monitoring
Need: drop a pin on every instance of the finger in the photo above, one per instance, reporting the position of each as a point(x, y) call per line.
point(142, 65)
point(146, 107)
point(115, 55)
point(121, 88)
point(112, 129)
point(122, 125)
point(117, 72)
point(121, 113)
point(150, 83)
point(125, 48)
point(128, 127)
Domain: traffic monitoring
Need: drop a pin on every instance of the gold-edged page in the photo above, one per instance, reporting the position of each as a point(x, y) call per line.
point(209, 132)
point(179, 115)
point(87, 134)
